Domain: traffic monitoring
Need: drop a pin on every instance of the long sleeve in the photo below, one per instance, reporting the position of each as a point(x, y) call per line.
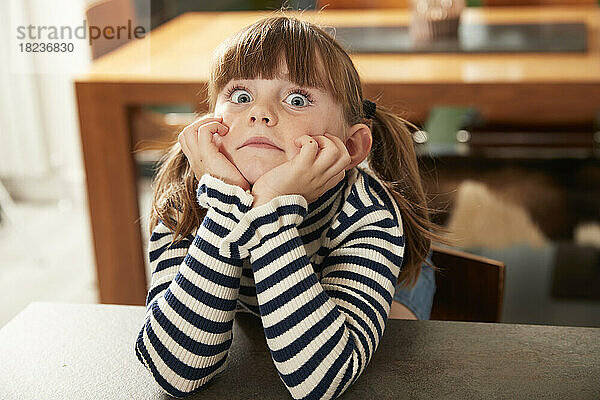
point(187, 330)
point(321, 333)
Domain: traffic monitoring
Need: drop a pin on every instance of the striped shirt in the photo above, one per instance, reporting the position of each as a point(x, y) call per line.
point(320, 276)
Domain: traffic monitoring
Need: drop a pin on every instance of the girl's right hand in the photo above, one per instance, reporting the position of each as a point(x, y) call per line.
point(203, 154)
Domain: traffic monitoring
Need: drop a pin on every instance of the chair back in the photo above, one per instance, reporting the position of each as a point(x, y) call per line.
point(110, 13)
point(469, 287)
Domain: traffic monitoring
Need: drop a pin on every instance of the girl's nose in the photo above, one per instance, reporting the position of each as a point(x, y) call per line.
point(263, 116)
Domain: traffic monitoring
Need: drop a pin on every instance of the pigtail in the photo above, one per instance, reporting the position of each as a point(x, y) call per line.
point(174, 195)
point(394, 161)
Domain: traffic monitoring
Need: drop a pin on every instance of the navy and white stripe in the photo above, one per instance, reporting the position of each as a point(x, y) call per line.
point(321, 277)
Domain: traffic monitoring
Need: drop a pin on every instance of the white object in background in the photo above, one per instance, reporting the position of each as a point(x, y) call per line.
point(588, 234)
point(40, 149)
point(435, 19)
point(8, 209)
point(11, 216)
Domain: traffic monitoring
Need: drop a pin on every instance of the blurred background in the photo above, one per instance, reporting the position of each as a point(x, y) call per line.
point(522, 189)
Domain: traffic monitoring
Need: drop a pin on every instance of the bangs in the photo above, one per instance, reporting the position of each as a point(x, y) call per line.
point(264, 48)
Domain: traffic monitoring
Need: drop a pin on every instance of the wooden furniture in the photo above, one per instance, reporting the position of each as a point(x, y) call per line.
point(469, 288)
point(147, 127)
point(84, 351)
point(549, 88)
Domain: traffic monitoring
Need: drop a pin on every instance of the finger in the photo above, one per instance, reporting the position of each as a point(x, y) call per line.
point(340, 166)
point(192, 129)
point(337, 141)
point(328, 153)
point(334, 159)
point(185, 149)
point(344, 160)
point(215, 127)
point(202, 120)
point(334, 180)
point(206, 132)
point(309, 148)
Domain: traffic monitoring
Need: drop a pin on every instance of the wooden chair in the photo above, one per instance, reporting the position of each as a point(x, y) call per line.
point(469, 288)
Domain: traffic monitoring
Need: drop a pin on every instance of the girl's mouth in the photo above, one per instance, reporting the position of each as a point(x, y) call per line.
point(262, 146)
point(261, 142)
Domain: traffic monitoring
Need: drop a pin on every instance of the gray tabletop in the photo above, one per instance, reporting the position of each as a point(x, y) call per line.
point(81, 351)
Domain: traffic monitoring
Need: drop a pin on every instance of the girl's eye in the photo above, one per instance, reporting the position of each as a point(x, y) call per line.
point(240, 96)
point(297, 100)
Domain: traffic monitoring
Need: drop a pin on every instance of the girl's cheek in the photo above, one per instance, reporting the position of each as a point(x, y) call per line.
point(222, 110)
point(229, 117)
point(218, 109)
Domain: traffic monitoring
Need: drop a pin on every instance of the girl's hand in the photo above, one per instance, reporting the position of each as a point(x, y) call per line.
point(203, 154)
point(318, 167)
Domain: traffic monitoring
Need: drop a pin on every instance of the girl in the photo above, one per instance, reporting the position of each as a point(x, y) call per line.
point(263, 207)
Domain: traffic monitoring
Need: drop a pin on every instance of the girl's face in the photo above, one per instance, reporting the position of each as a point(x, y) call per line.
point(274, 110)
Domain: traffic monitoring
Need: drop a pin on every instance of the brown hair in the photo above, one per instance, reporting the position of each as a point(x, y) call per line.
point(314, 59)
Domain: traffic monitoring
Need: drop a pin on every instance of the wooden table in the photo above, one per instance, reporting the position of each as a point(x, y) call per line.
point(171, 66)
point(78, 351)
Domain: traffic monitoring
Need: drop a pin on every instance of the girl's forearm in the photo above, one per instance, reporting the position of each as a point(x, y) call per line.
point(188, 328)
point(322, 332)
point(314, 351)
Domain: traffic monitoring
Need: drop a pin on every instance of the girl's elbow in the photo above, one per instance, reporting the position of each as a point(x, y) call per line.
point(169, 380)
point(179, 394)
point(175, 386)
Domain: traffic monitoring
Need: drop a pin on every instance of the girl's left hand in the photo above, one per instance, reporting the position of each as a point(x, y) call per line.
point(318, 167)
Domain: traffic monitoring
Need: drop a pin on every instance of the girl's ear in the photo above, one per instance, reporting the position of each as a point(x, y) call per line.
point(358, 144)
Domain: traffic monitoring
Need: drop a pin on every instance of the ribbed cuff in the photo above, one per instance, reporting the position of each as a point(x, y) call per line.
point(263, 221)
point(230, 200)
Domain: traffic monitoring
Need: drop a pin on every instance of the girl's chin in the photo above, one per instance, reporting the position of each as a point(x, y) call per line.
point(253, 172)
point(253, 166)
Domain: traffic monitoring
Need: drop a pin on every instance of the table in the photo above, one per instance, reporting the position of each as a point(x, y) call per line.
point(83, 351)
point(171, 66)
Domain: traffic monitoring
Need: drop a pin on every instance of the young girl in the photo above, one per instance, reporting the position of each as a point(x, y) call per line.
point(263, 206)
